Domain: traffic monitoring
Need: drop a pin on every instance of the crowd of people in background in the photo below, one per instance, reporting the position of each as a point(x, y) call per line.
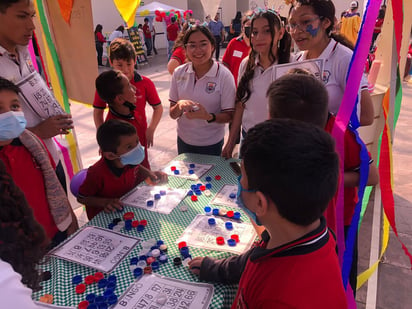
point(206, 93)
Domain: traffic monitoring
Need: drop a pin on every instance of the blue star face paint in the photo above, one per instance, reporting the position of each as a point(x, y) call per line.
point(312, 31)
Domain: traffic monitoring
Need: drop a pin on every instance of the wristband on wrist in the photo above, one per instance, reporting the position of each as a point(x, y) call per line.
point(213, 118)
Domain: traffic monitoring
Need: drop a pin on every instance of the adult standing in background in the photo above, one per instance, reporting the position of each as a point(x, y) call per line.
point(217, 29)
point(99, 41)
point(236, 25)
point(118, 33)
point(147, 36)
point(351, 23)
point(16, 31)
point(172, 31)
point(153, 31)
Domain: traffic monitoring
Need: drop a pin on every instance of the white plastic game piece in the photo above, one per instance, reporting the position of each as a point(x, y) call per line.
point(222, 212)
point(183, 208)
point(207, 193)
point(186, 261)
point(161, 299)
point(117, 228)
point(141, 264)
point(121, 224)
point(155, 253)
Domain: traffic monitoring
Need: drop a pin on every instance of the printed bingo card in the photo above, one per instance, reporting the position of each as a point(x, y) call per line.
point(226, 196)
point(200, 233)
point(96, 248)
point(188, 170)
point(154, 292)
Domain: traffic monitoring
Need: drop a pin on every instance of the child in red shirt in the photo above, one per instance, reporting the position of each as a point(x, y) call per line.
point(118, 171)
point(123, 58)
point(289, 174)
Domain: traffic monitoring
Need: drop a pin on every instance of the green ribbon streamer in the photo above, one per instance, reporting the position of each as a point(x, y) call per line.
point(56, 62)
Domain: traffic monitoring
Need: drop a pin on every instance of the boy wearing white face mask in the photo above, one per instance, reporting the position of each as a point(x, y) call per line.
point(118, 171)
point(32, 168)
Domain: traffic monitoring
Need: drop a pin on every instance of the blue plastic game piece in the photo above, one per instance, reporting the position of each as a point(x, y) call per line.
point(191, 172)
point(102, 283)
point(208, 210)
point(231, 242)
point(162, 192)
point(229, 225)
point(134, 260)
point(154, 247)
point(108, 292)
point(112, 299)
point(236, 215)
point(160, 242)
point(77, 279)
point(190, 193)
point(208, 185)
point(100, 299)
point(232, 195)
point(163, 258)
point(149, 203)
point(155, 265)
point(192, 165)
point(211, 221)
point(199, 185)
point(193, 187)
point(92, 306)
point(215, 211)
point(198, 192)
point(137, 272)
point(157, 196)
point(102, 305)
point(208, 178)
point(112, 285)
point(110, 226)
point(91, 297)
point(112, 278)
point(176, 172)
point(116, 220)
point(140, 228)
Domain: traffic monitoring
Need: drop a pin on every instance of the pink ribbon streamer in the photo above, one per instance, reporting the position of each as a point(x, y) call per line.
point(33, 55)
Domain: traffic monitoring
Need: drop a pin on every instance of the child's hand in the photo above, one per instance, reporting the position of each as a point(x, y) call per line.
point(195, 264)
point(112, 204)
point(156, 178)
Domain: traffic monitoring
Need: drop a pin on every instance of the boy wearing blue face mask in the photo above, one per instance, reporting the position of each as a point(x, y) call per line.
point(118, 171)
point(289, 174)
point(32, 168)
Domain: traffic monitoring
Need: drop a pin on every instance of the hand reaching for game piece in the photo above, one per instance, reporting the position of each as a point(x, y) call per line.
point(156, 178)
point(112, 204)
point(195, 264)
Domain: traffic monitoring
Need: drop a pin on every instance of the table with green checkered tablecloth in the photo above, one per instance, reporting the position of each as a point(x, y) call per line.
point(160, 226)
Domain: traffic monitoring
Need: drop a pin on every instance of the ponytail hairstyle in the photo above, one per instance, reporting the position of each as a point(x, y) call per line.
point(325, 9)
point(22, 239)
point(275, 24)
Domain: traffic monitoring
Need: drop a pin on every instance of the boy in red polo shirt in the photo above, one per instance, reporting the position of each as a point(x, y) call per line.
point(123, 58)
point(289, 174)
point(118, 171)
point(32, 168)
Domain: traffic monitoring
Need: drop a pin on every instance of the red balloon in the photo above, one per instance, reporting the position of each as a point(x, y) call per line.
point(157, 12)
point(163, 14)
point(158, 18)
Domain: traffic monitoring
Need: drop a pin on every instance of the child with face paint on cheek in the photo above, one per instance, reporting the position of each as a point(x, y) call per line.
point(311, 24)
point(118, 171)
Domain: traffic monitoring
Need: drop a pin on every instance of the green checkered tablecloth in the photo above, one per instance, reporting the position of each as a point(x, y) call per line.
point(166, 227)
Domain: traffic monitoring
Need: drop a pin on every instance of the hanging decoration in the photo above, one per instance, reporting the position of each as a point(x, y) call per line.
point(127, 9)
point(66, 7)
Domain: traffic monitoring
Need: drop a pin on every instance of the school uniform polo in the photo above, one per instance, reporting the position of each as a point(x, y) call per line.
point(235, 52)
point(15, 70)
point(179, 54)
point(103, 179)
point(215, 91)
point(257, 107)
point(27, 175)
point(337, 59)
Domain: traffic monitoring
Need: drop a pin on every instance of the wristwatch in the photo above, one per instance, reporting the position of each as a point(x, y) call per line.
point(213, 118)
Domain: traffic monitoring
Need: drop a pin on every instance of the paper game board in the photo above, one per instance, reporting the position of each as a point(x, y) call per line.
point(96, 248)
point(226, 196)
point(154, 292)
point(188, 170)
point(202, 235)
point(154, 198)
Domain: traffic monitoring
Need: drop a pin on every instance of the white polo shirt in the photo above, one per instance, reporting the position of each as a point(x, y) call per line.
point(257, 107)
point(215, 91)
point(14, 71)
point(337, 59)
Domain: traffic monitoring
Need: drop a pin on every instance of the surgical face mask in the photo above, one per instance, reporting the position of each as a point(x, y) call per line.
point(12, 124)
point(241, 203)
point(134, 156)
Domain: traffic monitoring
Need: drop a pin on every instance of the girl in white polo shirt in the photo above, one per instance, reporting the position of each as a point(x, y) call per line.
point(310, 25)
point(202, 96)
point(270, 45)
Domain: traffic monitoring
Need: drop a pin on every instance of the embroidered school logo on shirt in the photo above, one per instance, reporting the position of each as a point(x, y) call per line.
point(210, 87)
point(326, 75)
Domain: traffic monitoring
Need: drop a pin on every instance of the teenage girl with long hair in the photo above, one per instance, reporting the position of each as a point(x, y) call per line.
point(270, 45)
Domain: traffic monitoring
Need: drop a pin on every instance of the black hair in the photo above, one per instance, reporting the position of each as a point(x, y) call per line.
point(275, 24)
point(146, 19)
point(121, 49)
point(120, 28)
point(5, 84)
point(173, 19)
point(325, 9)
point(299, 96)
point(198, 28)
point(180, 36)
point(23, 241)
point(5, 4)
point(109, 85)
point(109, 133)
point(98, 28)
point(294, 164)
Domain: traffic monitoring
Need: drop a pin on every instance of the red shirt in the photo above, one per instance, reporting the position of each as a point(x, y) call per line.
point(351, 163)
point(179, 54)
point(172, 31)
point(304, 273)
point(28, 176)
point(235, 52)
point(104, 180)
point(145, 92)
point(146, 31)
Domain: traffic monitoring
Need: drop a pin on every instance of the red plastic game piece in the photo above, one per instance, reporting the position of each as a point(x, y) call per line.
point(143, 222)
point(202, 188)
point(147, 270)
point(80, 288)
point(98, 276)
point(83, 304)
point(173, 168)
point(193, 198)
point(220, 240)
point(182, 244)
point(235, 237)
point(135, 223)
point(218, 177)
point(230, 213)
point(89, 279)
point(150, 260)
point(128, 215)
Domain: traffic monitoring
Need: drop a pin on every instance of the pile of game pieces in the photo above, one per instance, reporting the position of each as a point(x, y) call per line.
point(94, 301)
point(222, 212)
point(128, 224)
point(184, 252)
point(150, 260)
